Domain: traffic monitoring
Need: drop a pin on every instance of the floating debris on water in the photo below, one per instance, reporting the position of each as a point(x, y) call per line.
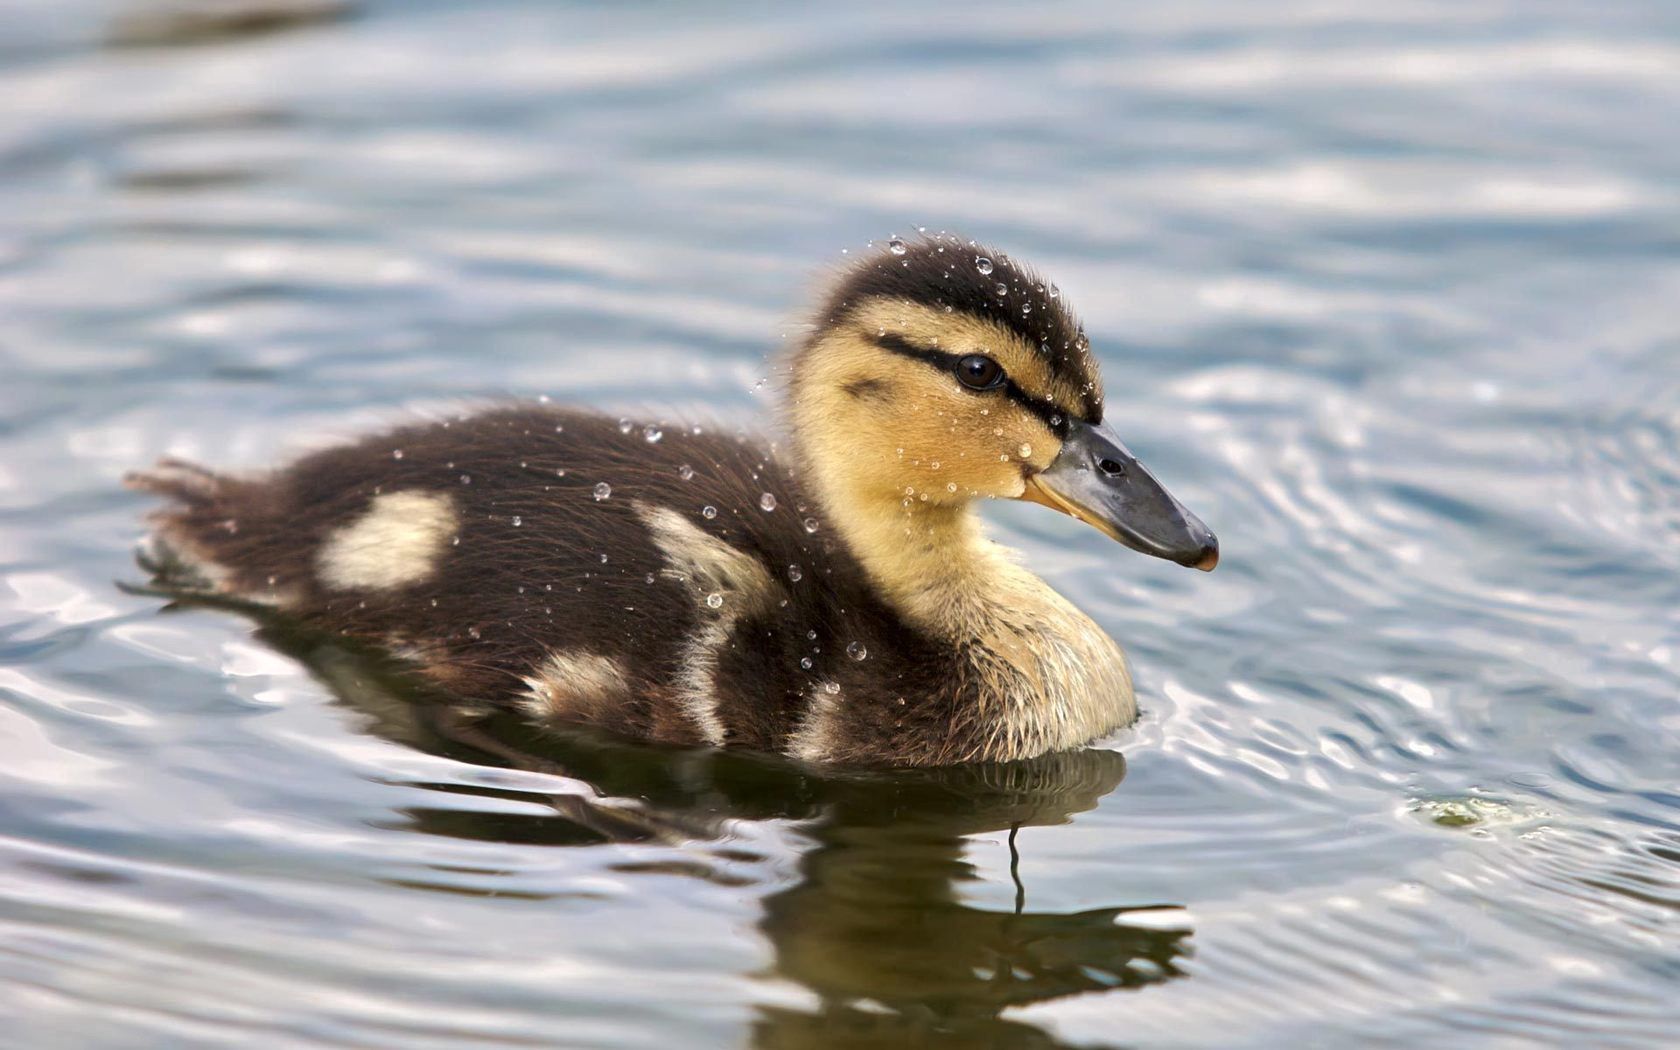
point(173, 23)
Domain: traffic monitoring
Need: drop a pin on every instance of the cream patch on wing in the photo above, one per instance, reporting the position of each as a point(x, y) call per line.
point(727, 584)
point(810, 741)
point(395, 543)
point(576, 686)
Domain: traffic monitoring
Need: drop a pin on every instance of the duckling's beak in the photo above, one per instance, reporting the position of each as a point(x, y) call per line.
point(1096, 479)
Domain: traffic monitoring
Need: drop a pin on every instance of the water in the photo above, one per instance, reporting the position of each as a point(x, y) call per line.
point(1385, 293)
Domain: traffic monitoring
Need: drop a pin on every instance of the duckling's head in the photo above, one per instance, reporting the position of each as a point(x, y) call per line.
point(939, 372)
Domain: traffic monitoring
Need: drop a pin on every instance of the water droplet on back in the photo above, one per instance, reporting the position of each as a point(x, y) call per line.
point(396, 453)
point(795, 573)
point(983, 264)
point(624, 426)
point(896, 246)
point(708, 512)
point(652, 434)
point(685, 472)
point(518, 521)
point(856, 651)
point(767, 502)
point(714, 600)
point(602, 491)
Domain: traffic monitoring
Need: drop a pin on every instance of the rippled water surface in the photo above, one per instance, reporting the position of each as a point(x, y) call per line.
point(1388, 293)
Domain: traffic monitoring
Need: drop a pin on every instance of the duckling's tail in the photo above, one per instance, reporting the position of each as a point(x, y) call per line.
point(190, 550)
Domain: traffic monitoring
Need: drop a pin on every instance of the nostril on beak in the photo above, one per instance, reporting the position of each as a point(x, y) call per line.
point(1113, 468)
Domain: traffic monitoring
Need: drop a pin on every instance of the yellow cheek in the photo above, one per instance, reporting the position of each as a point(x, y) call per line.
point(962, 448)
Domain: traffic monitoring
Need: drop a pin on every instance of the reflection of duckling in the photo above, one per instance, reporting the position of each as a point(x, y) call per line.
point(691, 587)
point(878, 916)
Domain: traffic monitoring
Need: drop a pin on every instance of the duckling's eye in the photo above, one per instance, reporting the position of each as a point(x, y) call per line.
point(979, 372)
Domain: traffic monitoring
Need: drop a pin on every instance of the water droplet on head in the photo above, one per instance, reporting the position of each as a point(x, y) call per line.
point(685, 472)
point(896, 246)
point(396, 453)
point(559, 428)
point(950, 486)
point(983, 264)
point(856, 651)
point(1026, 308)
point(1001, 288)
point(1055, 293)
point(602, 491)
point(714, 600)
point(708, 512)
point(1025, 450)
point(517, 521)
point(795, 573)
point(767, 502)
point(831, 688)
point(810, 636)
point(466, 479)
point(624, 426)
point(805, 662)
point(811, 524)
point(652, 434)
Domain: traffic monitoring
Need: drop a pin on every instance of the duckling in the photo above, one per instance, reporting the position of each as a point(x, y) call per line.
point(832, 598)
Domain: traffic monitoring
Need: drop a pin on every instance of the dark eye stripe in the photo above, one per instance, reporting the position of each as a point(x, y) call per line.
point(1050, 413)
